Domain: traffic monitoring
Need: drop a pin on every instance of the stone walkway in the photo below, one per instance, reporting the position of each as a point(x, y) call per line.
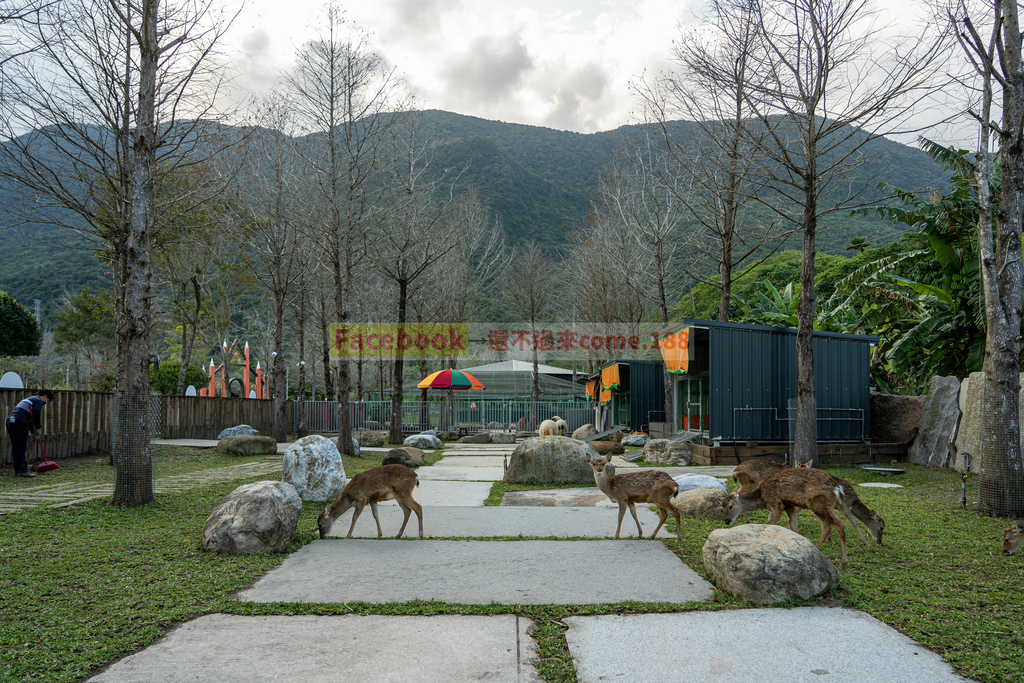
point(802, 645)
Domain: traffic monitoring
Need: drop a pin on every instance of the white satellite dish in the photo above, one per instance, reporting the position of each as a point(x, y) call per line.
point(11, 380)
point(190, 390)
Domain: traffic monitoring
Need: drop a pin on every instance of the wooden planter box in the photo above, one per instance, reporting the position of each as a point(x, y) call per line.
point(834, 453)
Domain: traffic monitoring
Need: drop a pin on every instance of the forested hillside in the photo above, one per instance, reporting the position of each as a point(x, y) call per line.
point(539, 181)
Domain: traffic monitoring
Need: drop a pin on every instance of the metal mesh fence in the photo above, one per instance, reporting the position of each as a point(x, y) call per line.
point(1001, 481)
point(133, 426)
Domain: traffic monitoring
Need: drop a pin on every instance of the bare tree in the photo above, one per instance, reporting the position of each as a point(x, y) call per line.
point(113, 98)
point(642, 192)
point(999, 63)
point(344, 93)
point(709, 88)
point(414, 231)
point(530, 286)
point(827, 84)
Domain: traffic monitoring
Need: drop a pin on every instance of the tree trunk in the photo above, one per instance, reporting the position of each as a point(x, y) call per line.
point(395, 435)
point(1002, 470)
point(132, 450)
point(188, 340)
point(805, 440)
point(280, 390)
point(326, 349)
point(300, 427)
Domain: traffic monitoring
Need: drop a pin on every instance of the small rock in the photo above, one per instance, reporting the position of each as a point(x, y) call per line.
point(254, 518)
point(410, 457)
point(247, 445)
point(607, 447)
point(240, 430)
point(698, 481)
point(370, 439)
point(503, 437)
point(355, 445)
point(703, 503)
point(635, 440)
point(665, 452)
point(423, 441)
point(767, 564)
point(482, 437)
point(585, 432)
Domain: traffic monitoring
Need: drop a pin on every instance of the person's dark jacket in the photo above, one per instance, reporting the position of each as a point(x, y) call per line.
point(29, 412)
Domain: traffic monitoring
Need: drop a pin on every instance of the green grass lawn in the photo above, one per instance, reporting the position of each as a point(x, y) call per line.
point(85, 585)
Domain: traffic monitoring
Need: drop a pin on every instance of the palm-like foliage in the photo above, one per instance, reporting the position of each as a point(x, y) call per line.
point(770, 306)
point(934, 324)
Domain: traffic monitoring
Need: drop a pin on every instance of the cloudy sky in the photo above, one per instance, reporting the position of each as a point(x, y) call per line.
point(564, 64)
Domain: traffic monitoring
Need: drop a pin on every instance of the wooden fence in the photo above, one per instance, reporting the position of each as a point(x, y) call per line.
point(78, 422)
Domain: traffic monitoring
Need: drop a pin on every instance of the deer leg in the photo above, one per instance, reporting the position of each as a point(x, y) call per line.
point(355, 515)
point(373, 509)
point(639, 530)
point(853, 522)
point(622, 511)
point(662, 516)
point(774, 515)
point(407, 511)
point(792, 512)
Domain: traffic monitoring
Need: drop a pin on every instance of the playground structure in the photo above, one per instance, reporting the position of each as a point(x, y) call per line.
point(251, 387)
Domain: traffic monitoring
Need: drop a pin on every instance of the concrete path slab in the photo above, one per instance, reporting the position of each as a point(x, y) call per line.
point(880, 485)
point(491, 522)
point(477, 453)
point(461, 473)
point(470, 461)
point(481, 572)
point(370, 649)
point(803, 645)
point(448, 493)
point(581, 497)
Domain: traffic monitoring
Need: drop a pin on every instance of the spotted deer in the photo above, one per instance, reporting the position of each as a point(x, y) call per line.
point(387, 482)
point(649, 486)
point(1013, 537)
point(750, 473)
point(787, 491)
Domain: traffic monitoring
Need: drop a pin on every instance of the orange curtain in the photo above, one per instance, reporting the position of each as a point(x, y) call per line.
point(675, 350)
point(610, 377)
point(606, 395)
point(592, 388)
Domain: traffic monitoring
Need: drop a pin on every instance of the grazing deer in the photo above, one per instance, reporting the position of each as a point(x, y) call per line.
point(650, 486)
point(788, 490)
point(387, 482)
point(750, 473)
point(1013, 537)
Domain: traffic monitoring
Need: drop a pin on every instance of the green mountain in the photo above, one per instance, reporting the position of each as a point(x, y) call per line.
point(538, 180)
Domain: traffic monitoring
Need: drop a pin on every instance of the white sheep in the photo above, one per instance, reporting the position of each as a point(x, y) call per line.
point(548, 428)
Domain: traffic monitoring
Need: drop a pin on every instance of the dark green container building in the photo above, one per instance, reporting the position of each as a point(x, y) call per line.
point(740, 382)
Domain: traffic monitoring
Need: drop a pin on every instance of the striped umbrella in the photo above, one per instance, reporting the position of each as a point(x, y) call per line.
point(450, 379)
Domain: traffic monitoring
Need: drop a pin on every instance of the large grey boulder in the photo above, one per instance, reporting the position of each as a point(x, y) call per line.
point(355, 445)
point(665, 452)
point(968, 437)
point(503, 437)
point(701, 502)
point(370, 439)
point(549, 459)
point(635, 440)
point(939, 419)
point(240, 430)
point(767, 564)
point(403, 456)
point(313, 466)
point(255, 518)
point(585, 432)
point(247, 445)
point(482, 437)
point(423, 441)
point(895, 419)
point(688, 482)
